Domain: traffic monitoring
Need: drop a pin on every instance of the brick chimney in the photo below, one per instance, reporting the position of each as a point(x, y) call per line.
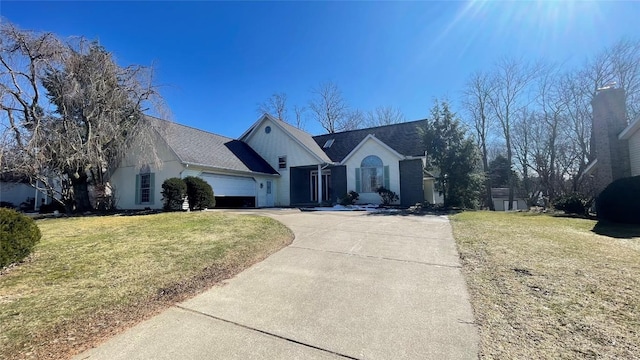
point(609, 119)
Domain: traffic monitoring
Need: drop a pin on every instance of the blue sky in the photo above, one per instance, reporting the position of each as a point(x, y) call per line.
point(215, 61)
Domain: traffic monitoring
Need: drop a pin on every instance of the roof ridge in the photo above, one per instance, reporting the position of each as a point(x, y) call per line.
point(189, 127)
point(373, 127)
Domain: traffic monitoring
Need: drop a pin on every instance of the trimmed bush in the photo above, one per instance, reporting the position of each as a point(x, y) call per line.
point(387, 195)
point(174, 190)
point(620, 201)
point(349, 198)
point(200, 193)
point(7, 205)
point(573, 203)
point(18, 235)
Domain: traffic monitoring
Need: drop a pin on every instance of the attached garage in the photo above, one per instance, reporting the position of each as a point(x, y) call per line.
point(232, 191)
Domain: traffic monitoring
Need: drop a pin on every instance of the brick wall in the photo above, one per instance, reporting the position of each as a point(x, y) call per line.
point(609, 119)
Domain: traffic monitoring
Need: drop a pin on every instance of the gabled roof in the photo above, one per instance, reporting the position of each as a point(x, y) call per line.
point(376, 140)
point(404, 138)
point(198, 147)
point(301, 137)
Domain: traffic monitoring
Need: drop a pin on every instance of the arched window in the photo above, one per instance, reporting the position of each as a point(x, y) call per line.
point(372, 172)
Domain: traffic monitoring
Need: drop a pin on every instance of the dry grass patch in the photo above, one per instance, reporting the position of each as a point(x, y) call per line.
point(94, 276)
point(547, 287)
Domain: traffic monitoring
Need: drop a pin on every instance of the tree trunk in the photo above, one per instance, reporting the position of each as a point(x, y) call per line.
point(80, 184)
point(487, 183)
point(510, 174)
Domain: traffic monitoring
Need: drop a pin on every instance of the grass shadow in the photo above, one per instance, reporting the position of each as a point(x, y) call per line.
point(409, 212)
point(617, 230)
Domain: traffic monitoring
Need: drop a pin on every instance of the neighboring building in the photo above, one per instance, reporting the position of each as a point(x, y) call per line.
point(500, 198)
point(276, 164)
point(615, 141)
point(21, 194)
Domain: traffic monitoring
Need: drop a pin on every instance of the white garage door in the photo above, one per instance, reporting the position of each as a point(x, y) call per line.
point(227, 185)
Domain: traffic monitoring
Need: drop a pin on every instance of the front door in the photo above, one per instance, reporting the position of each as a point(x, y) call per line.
point(326, 185)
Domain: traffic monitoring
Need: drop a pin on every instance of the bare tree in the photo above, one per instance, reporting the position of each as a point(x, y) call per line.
point(578, 93)
point(621, 65)
point(384, 115)
point(511, 80)
point(81, 129)
point(476, 101)
point(275, 105)
point(354, 119)
point(300, 120)
point(329, 107)
point(552, 103)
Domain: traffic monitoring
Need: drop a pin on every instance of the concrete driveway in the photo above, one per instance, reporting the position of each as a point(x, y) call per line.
point(353, 285)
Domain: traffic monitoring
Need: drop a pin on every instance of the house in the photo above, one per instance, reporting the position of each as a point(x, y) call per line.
point(18, 193)
point(239, 176)
point(500, 198)
point(616, 142)
point(275, 164)
point(391, 156)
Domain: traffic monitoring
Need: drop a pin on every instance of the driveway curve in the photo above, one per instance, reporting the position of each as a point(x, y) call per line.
point(352, 285)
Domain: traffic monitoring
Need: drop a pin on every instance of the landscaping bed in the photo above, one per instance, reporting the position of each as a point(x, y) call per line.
point(92, 277)
point(545, 287)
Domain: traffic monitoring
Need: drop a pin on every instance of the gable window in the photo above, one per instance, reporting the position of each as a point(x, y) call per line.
point(371, 175)
point(145, 186)
point(282, 162)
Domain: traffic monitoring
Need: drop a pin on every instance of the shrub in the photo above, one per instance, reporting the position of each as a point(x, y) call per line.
point(387, 195)
point(620, 201)
point(174, 190)
point(200, 193)
point(18, 235)
point(7, 205)
point(349, 198)
point(573, 203)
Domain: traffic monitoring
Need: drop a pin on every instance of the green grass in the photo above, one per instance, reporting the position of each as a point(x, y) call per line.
point(546, 287)
point(92, 276)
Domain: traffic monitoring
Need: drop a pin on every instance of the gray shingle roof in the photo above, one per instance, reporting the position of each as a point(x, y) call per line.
point(199, 147)
point(403, 138)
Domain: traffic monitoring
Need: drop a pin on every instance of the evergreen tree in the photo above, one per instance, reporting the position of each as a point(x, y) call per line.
point(454, 155)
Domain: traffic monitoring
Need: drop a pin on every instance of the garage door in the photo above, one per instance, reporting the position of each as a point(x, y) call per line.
point(226, 185)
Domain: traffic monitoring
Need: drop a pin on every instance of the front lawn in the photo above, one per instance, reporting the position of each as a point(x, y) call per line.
point(91, 277)
point(546, 287)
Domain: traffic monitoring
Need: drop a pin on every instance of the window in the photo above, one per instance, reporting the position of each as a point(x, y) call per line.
point(144, 186)
point(371, 170)
point(328, 143)
point(267, 129)
point(282, 162)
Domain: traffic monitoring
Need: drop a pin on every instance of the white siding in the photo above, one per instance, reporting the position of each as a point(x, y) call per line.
point(273, 145)
point(123, 180)
point(371, 147)
point(634, 153)
point(262, 200)
point(17, 193)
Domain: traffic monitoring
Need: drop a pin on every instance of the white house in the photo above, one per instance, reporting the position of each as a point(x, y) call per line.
point(276, 164)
